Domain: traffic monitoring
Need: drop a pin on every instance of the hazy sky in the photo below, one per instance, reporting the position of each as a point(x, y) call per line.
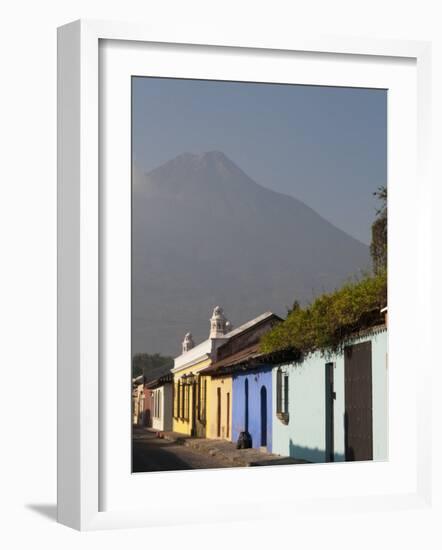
point(325, 146)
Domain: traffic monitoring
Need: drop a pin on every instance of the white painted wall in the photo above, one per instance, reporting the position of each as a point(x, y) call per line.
point(162, 421)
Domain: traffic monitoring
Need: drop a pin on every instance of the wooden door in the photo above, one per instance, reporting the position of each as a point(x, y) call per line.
point(228, 416)
point(358, 402)
point(218, 427)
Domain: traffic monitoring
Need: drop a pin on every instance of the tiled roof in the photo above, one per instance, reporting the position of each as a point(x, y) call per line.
point(248, 358)
point(168, 377)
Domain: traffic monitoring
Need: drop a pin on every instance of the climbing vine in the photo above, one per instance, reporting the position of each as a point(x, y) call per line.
point(331, 318)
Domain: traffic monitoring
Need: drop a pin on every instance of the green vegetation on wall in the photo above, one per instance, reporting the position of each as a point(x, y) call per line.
point(334, 317)
point(331, 318)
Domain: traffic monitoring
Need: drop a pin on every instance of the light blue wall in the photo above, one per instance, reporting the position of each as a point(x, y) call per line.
point(304, 436)
point(380, 396)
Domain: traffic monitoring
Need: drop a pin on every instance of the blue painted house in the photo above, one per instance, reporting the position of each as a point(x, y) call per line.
point(241, 359)
point(252, 404)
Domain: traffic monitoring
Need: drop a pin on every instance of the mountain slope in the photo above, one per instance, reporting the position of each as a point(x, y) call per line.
point(204, 233)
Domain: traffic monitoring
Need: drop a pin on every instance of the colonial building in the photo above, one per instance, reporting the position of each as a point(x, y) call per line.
point(239, 396)
point(138, 414)
point(160, 392)
point(190, 387)
point(334, 407)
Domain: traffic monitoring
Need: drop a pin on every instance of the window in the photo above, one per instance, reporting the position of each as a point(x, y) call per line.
point(157, 403)
point(282, 395)
point(186, 401)
point(182, 397)
point(203, 392)
point(198, 396)
point(175, 401)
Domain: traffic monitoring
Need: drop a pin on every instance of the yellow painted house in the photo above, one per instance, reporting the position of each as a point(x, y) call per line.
point(239, 346)
point(192, 390)
point(219, 408)
point(202, 376)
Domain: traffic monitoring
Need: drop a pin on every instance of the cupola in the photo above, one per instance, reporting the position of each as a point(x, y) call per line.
point(188, 342)
point(218, 323)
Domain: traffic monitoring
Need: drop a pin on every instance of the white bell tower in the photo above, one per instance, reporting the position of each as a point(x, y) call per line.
point(218, 323)
point(188, 342)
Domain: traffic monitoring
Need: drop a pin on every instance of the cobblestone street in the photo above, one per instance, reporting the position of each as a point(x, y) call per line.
point(152, 454)
point(175, 452)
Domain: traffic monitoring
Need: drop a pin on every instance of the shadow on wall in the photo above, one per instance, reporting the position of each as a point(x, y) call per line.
point(312, 454)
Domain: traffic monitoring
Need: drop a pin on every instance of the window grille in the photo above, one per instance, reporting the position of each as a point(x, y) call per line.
point(182, 400)
point(175, 401)
point(203, 400)
point(198, 397)
point(186, 402)
point(282, 395)
point(285, 400)
point(279, 391)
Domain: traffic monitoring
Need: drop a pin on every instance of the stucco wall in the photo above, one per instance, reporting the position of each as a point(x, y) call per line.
point(181, 425)
point(380, 397)
point(163, 422)
point(257, 380)
point(225, 386)
point(304, 436)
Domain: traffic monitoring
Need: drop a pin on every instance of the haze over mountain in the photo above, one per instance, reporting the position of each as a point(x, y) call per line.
point(205, 234)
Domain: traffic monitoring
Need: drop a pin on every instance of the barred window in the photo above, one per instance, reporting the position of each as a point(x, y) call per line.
point(198, 397)
point(175, 400)
point(182, 400)
point(203, 399)
point(186, 402)
point(158, 403)
point(282, 392)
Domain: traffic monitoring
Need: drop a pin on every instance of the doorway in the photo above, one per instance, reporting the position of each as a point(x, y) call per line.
point(358, 416)
point(228, 416)
point(263, 416)
point(218, 407)
point(246, 405)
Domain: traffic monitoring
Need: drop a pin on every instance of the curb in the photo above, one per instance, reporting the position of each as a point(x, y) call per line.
point(213, 451)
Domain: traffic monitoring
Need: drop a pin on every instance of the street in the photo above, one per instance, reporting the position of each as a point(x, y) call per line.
point(151, 454)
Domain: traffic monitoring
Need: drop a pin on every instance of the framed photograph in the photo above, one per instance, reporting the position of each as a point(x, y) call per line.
point(242, 259)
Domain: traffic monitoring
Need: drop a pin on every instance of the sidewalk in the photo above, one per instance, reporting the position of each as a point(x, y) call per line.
point(226, 450)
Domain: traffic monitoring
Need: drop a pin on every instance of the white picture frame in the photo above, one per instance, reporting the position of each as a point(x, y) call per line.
point(80, 315)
